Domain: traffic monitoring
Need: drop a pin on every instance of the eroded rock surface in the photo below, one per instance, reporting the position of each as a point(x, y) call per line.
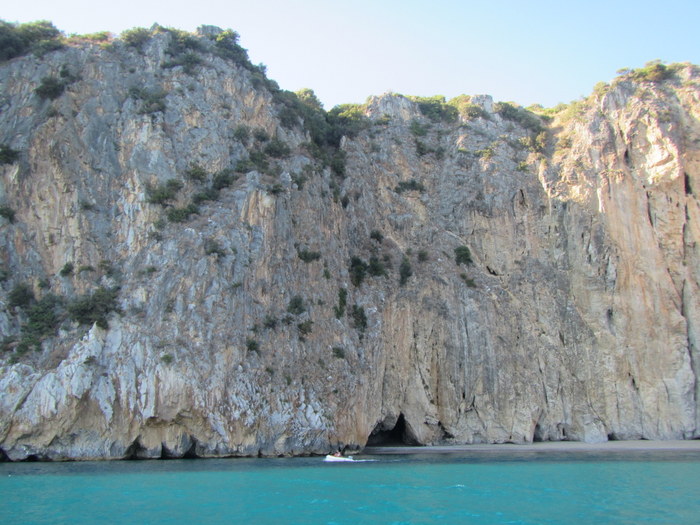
point(577, 319)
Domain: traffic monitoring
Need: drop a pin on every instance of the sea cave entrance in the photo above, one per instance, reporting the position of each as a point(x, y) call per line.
point(392, 433)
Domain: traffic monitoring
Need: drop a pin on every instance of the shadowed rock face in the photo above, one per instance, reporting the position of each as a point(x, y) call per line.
point(577, 318)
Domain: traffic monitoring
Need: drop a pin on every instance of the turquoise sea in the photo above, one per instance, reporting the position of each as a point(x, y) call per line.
point(639, 487)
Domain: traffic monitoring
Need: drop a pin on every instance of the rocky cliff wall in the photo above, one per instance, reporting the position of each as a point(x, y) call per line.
point(265, 303)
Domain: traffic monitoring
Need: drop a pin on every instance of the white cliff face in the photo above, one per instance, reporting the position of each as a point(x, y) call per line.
point(578, 318)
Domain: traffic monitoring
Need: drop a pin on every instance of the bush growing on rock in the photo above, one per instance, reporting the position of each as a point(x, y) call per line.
point(21, 296)
point(305, 328)
point(212, 247)
point(276, 148)
point(376, 267)
point(8, 155)
point(405, 271)
point(296, 305)
point(518, 114)
point(436, 109)
point(410, 185)
point(164, 192)
point(339, 309)
point(308, 256)
point(357, 270)
point(43, 318)
point(359, 318)
point(136, 37)
point(196, 173)
point(418, 129)
point(94, 307)
point(182, 214)
point(50, 88)
point(463, 255)
point(8, 213)
point(260, 135)
point(67, 269)
point(466, 109)
point(376, 235)
point(153, 100)
point(19, 39)
point(226, 46)
point(242, 133)
point(222, 179)
point(208, 194)
point(653, 71)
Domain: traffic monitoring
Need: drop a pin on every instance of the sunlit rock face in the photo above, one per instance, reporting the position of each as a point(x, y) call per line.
point(577, 317)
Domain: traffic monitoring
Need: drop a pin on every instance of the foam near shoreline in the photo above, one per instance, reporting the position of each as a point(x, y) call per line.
point(545, 446)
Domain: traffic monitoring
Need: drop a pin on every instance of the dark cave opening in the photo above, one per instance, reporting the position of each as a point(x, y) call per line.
point(399, 435)
point(134, 451)
point(190, 453)
point(537, 436)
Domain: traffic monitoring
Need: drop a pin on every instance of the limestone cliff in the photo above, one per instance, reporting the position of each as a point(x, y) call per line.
point(187, 272)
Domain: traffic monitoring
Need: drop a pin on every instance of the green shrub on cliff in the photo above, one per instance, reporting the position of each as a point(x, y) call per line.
point(464, 106)
point(34, 37)
point(463, 255)
point(339, 309)
point(50, 88)
point(308, 256)
point(164, 192)
point(436, 109)
point(357, 270)
point(276, 148)
point(67, 269)
point(418, 129)
point(653, 71)
point(94, 307)
point(296, 305)
point(359, 318)
point(305, 328)
point(8, 213)
point(518, 114)
point(136, 37)
point(226, 46)
point(182, 214)
point(252, 345)
point(405, 271)
point(188, 62)
point(21, 296)
point(153, 100)
point(222, 179)
point(196, 173)
point(43, 318)
point(409, 185)
point(376, 268)
point(8, 155)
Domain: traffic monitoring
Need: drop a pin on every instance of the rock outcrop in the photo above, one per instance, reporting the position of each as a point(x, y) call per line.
point(216, 286)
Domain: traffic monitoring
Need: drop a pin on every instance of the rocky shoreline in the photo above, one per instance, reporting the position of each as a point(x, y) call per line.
point(546, 446)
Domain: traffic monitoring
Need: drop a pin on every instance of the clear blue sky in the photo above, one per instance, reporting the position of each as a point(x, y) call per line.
point(528, 52)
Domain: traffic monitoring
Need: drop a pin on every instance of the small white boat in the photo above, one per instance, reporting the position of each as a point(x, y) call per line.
point(331, 457)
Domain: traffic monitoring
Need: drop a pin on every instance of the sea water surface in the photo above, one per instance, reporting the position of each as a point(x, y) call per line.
point(522, 488)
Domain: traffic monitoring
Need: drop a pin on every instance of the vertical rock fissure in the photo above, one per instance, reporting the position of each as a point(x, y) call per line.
point(693, 353)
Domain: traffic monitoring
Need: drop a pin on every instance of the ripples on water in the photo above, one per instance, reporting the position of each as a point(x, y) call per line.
point(522, 488)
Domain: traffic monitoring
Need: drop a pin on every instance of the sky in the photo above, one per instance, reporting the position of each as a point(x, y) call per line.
point(537, 51)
